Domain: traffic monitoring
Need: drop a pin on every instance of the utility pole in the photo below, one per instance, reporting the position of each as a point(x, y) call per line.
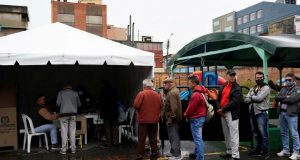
point(168, 46)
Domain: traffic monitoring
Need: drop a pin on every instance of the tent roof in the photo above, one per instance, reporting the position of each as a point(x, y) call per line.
point(237, 49)
point(60, 44)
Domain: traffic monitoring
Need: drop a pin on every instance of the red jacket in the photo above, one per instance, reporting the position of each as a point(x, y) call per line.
point(148, 105)
point(197, 105)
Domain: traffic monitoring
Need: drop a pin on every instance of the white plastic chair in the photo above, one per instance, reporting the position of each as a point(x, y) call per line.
point(29, 133)
point(126, 128)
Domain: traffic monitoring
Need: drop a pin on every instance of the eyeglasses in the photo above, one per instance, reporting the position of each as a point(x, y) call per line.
point(288, 80)
point(232, 75)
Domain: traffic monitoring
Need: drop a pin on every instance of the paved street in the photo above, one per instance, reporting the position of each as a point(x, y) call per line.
point(95, 151)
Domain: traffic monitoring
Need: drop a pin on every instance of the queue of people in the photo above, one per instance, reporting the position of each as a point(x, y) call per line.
point(229, 101)
point(151, 106)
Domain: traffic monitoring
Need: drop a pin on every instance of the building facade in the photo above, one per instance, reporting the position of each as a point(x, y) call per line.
point(225, 23)
point(91, 1)
point(85, 16)
point(116, 33)
point(13, 19)
point(256, 19)
point(154, 47)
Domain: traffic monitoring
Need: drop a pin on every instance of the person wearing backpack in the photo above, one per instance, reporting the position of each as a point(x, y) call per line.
point(229, 100)
point(195, 114)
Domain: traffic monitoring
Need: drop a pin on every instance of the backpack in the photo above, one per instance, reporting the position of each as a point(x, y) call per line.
point(209, 108)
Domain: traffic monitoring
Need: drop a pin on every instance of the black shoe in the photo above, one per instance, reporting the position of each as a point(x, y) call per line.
point(192, 156)
point(225, 155)
point(235, 158)
point(55, 147)
point(265, 156)
point(254, 153)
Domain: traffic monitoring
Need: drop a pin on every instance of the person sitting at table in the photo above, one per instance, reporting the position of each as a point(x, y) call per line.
point(42, 119)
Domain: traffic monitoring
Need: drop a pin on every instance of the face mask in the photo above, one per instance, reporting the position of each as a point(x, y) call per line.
point(259, 82)
point(290, 84)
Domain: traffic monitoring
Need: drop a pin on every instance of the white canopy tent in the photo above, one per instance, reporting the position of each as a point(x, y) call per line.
point(60, 44)
point(41, 60)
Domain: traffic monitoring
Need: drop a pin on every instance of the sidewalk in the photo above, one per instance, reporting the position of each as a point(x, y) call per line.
point(126, 151)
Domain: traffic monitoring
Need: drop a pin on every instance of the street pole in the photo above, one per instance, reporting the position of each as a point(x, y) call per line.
point(168, 46)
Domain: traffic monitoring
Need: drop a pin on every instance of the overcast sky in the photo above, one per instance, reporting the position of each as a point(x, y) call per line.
point(187, 19)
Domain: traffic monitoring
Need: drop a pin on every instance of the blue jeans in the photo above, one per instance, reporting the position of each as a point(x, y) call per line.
point(259, 124)
point(289, 123)
point(48, 128)
point(196, 127)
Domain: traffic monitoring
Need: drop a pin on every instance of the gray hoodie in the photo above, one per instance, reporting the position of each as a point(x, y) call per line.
point(68, 100)
point(259, 98)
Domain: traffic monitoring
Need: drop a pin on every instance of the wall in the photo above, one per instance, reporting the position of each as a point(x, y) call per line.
point(223, 23)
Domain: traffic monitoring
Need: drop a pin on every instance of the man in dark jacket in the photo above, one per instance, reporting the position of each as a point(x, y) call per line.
point(229, 98)
point(288, 99)
point(109, 111)
point(195, 114)
point(172, 115)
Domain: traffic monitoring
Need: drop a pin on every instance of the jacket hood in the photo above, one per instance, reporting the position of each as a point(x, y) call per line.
point(200, 89)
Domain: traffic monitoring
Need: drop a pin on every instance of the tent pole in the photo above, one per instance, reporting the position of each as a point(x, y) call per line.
point(265, 57)
point(280, 76)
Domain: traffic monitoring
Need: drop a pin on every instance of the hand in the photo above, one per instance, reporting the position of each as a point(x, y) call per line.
point(220, 112)
point(55, 115)
point(186, 119)
point(169, 121)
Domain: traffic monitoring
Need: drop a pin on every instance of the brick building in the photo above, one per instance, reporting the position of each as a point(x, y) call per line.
point(154, 47)
point(89, 17)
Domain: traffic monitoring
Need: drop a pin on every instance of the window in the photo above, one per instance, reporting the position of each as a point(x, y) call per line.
point(67, 19)
point(228, 29)
point(259, 14)
point(230, 18)
point(253, 30)
point(94, 19)
point(239, 21)
point(240, 31)
point(252, 16)
point(216, 23)
point(218, 30)
point(246, 30)
point(245, 18)
point(260, 28)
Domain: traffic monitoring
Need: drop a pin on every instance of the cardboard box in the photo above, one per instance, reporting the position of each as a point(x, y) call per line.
point(8, 128)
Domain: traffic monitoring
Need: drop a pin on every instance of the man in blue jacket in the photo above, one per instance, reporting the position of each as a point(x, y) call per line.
point(288, 99)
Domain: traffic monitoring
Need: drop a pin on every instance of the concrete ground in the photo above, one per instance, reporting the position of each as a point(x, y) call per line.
point(126, 151)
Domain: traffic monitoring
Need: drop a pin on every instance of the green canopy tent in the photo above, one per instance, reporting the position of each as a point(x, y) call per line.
point(236, 49)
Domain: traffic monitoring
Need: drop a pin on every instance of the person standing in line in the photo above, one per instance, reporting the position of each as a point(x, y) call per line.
point(69, 102)
point(148, 106)
point(258, 97)
point(195, 114)
point(288, 99)
point(229, 99)
point(172, 115)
